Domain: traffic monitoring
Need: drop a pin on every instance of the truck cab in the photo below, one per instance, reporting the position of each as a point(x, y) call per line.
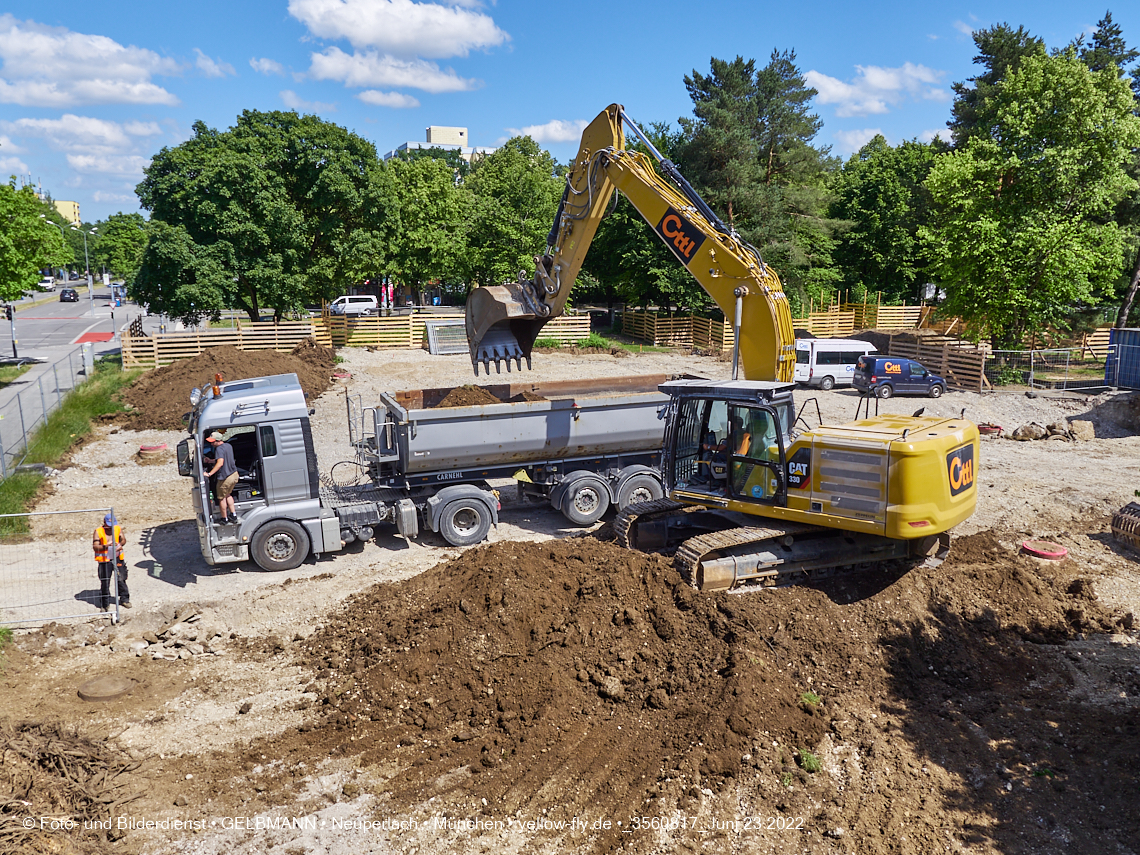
point(265, 421)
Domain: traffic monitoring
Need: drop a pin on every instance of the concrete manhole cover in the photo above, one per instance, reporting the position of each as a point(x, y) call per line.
point(108, 687)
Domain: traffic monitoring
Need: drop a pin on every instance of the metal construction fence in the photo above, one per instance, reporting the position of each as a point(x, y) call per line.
point(47, 567)
point(29, 408)
point(1064, 368)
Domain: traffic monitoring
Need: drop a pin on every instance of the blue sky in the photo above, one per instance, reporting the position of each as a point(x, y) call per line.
point(89, 91)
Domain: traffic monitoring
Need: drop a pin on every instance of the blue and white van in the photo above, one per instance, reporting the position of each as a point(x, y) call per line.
point(828, 362)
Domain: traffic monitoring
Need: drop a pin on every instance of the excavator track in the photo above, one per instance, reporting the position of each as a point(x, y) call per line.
point(737, 557)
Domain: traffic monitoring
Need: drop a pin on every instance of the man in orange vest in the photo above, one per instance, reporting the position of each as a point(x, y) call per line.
point(108, 545)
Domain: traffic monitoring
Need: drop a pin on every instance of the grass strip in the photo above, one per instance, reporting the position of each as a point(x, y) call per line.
point(63, 429)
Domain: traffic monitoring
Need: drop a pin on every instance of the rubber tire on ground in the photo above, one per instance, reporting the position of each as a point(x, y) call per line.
point(827, 384)
point(585, 501)
point(280, 545)
point(639, 488)
point(465, 521)
point(885, 392)
point(936, 391)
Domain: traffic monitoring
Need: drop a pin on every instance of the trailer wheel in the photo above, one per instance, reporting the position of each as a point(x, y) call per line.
point(639, 488)
point(464, 522)
point(585, 501)
point(280, 545)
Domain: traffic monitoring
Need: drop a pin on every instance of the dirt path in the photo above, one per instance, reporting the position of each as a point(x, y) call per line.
point(518, 696)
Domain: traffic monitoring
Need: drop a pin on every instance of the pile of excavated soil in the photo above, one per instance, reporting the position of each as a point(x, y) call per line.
point(480, 396)
point(162, 396)
point(579, 679)
point(468, 396)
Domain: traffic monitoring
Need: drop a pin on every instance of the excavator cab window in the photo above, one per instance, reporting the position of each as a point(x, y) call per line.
point(756, 437)
point(700, 460)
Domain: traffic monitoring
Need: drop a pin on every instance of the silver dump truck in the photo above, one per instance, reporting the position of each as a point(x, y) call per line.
point(580, 445)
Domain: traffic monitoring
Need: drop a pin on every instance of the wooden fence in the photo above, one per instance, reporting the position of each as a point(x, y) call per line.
point(962, 363)
point(142, 351)
point(401, 331)
point(663, 330)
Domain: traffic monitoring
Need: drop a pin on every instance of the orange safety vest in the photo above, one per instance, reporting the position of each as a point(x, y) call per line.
point(101, 537)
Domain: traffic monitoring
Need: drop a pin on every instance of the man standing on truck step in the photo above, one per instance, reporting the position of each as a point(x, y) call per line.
point(108, 545)
point(226, 470)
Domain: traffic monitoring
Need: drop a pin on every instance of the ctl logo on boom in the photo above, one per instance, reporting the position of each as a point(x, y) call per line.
point(960, 468)
point(682, 236)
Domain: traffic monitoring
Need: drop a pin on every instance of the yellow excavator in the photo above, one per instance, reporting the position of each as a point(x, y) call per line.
point(753, 495)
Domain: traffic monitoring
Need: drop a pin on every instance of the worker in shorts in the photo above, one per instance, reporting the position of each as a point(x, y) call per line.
point(108, 545)
point(226, 470)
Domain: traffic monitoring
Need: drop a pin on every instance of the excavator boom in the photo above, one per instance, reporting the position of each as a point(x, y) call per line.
point(503, 321)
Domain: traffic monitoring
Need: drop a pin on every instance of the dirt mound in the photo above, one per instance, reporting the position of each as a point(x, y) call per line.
point(49, 771)
point(468, 396)
point(578, 678)
point(161, 397)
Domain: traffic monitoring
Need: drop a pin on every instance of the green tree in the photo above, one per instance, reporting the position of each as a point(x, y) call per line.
point(275, 202)
point(1021, 229)
point(28, 242)
point(514, 196)
point(1001, 50)
point(181, 278)
point(1107, 47)
point(881, 192)
point(425, 242)
point(120, 244)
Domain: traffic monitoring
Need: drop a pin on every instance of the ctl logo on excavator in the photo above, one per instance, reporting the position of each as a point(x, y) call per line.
point(682, 236)
point(960, 468)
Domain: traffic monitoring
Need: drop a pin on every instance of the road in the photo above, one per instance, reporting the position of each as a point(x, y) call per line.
point(49, 326)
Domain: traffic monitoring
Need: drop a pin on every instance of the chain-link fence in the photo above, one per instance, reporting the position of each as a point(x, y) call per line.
point(1058, 369)
point(31, 406)
point(48, 569)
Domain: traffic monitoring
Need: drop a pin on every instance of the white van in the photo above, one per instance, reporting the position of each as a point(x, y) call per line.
point(828, 362)
point(362, 304)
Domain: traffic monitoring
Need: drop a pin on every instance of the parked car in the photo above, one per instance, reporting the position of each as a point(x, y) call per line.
point(47, 283)
point(69, 295)
point(828, 362)
point(885, 376)
point(363, 304)
point(72, 276)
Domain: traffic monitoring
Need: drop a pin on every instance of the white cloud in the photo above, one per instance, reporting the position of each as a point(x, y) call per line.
point(554, 131)
point(374, 69)
point(47, 66)
point(876, 89)
point(387, 99)
point(118, 198)
point(928, 136)
point(295, 102)
point(964, 28)
point(400, 27)
point(8, 146)
point(851, 141)
point(267, 66)
point(213, 67)
point(12, 166)
point(91, 145)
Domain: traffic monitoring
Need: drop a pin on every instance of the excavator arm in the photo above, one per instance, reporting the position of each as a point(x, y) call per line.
point(503, 321)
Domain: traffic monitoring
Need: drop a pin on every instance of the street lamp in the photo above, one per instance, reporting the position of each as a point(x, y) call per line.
point(87, 265)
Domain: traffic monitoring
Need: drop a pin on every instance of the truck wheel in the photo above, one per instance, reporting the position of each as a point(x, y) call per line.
point(280, 545)
point(464, 522)
point(585, 501)
point(639, 488)
point(827, 384)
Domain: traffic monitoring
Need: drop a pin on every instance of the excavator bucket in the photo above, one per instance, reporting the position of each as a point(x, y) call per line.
point(504, 320)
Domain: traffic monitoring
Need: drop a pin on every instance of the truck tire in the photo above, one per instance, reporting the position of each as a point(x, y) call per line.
point(639, 488)
point(464, 522)
point(827, 383)
point(280, 545)
point(585, 500)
